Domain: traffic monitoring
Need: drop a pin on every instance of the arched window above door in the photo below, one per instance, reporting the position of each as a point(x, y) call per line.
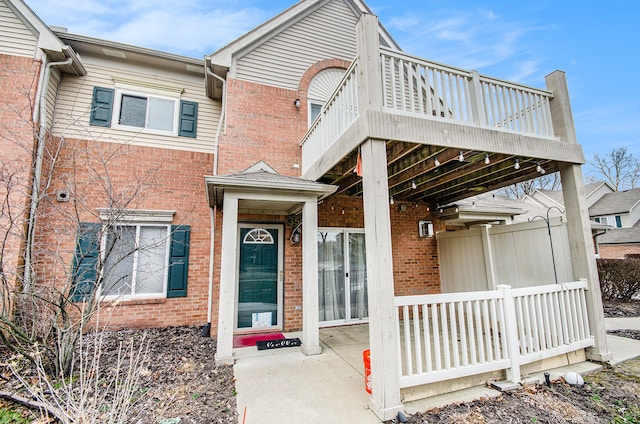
point(258, 236)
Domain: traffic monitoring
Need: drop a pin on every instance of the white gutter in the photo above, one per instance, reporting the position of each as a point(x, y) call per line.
point(35, 189)
point(213, 209)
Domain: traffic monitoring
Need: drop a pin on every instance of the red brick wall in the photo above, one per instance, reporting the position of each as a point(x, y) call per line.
point(617, 251)
point(99, 175)
point(415, 259)
point(18, 81)
point(262, 124)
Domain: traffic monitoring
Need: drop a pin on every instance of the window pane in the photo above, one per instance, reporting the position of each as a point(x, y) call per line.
point(331, 276)
point(133, 111)
point(618, 221)
point(151, 260)
point(315, 111)
point(118, 264)
point(161, 113)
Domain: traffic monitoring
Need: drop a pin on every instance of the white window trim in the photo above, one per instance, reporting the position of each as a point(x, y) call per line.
point(138, 218)
point(117, 103)
point(136, 215)
point(313, 102)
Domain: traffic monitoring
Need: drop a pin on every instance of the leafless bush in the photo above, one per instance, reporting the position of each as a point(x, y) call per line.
point(619, 278)
point(92, 393)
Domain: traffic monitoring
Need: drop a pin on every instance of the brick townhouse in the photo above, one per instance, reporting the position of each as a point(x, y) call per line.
point(290, 180)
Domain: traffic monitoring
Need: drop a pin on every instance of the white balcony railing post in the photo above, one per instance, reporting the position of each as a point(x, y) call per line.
point(513, 373)
point(477, 105)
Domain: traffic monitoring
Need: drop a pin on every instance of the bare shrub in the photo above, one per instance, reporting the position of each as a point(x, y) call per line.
point(619, 278)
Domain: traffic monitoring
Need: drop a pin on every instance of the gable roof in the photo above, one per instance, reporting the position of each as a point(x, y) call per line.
point(556, 197)
point(221, 61)
point(616, 202)
point(48, 42)
point(621, 235)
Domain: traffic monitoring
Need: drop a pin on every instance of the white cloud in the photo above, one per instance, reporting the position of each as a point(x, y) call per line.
point(194, 28)
point(471, 39)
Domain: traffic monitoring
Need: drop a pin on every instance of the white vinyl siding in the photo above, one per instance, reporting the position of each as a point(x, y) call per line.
point(326, 33)
point(74, 103)
point(16, 38)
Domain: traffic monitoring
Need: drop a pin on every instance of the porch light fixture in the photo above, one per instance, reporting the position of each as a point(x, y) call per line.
point(487, 161)
point(391, 202)
point(296, 102)
point(461, 157)
point(413, 184)
point(516, 165)
point(295, 234)
point(436, 162)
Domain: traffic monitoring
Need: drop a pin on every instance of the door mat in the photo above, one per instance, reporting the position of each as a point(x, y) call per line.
point(250, 340)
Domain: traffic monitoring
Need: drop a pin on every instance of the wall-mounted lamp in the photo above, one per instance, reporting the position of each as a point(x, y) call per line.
point(391, 202)
point(295, 234)
point(297, 103)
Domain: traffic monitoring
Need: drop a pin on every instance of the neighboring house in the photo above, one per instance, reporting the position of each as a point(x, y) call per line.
point(548, 198)
point(222, 191)
point(620, 210)
point(615, 215)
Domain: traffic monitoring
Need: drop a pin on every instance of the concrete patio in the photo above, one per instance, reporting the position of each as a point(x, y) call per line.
point(284, 385)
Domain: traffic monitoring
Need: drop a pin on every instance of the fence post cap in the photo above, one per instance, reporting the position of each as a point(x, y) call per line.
point(503, 286)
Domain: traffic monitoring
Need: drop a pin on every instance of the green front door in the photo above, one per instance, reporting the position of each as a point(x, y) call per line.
point(258, 284)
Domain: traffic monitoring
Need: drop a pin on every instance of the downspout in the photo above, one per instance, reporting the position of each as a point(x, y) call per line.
point(595, 241)
point(206, 331)
point(35, 189)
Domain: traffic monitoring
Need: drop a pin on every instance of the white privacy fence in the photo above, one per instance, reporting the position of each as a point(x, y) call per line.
point(428, 89)
point(454, 335)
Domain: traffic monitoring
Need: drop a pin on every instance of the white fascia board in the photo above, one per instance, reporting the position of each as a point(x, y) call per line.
point(299, 186)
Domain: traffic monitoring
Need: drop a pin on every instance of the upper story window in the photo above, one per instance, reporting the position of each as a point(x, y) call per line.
point(321, 88)
point(129, 109)
point(618, 221)
point(154, 113)
point(604, 220)
point(314, 110)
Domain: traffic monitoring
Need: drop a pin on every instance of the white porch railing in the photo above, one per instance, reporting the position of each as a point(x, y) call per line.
point(336, 116)
point(428, 89)
point(454, 335)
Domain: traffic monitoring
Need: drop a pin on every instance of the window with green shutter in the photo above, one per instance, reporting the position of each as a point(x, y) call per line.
point(138, 261)
point(138, 110)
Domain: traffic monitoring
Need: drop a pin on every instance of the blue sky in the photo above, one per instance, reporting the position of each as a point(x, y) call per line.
point(596, 43)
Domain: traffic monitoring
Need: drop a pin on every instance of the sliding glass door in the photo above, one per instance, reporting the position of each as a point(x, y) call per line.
point(342, 276)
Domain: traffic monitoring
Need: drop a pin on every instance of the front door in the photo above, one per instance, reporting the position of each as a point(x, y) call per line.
point(259, 278)
point(342, 276)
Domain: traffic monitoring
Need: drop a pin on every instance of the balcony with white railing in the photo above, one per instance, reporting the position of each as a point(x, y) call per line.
point(428, 92)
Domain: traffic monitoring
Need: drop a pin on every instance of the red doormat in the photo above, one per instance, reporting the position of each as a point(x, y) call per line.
point(250, 340)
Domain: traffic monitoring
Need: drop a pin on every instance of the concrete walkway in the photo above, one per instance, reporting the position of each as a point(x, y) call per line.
point(283, 385)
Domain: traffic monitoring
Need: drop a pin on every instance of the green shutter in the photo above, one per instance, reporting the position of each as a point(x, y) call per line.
point(178, 261)
point(101, 107)
point(188, 119)
point(85, 261)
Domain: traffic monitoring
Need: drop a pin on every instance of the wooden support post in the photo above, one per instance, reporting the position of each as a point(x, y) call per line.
point(383, 337)
point(583, 256)
point(228, 278)
point(578, 223)
point(310, 320)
